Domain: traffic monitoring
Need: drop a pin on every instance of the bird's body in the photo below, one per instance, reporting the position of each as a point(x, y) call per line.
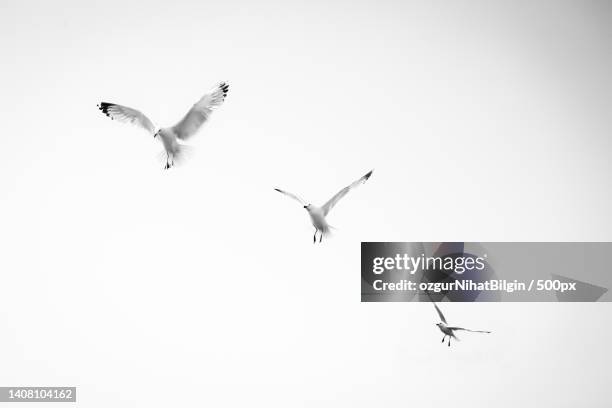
point(170, 136)
point(318, 219)
point(444, 329)
point(449, 331)
point(168, 139)
point(173, 148)
point(170, 142)
point(318, 214)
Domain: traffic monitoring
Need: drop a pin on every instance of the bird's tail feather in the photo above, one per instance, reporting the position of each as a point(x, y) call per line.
point(327, 232)
point(182, 154)
point(179, 157)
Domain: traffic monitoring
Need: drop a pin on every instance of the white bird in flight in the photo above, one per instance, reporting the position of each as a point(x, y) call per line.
point(449, 330)
point(183, 130)
point(318, 214)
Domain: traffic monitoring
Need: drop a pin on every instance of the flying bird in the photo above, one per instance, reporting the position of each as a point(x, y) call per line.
point(183, 130)
point(449, 330)
point(318, 214)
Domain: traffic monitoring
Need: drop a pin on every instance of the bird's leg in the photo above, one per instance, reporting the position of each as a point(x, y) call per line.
point(449, 341)
point(314, 239)
point(320, 237)
point(167, 159)
point(443, 338)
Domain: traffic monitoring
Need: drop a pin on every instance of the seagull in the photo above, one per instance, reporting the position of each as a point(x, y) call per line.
point(318, 214)
point(449, 330)
point(183, 130)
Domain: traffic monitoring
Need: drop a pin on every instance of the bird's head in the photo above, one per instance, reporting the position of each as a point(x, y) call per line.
point(156, 134)
point(307, 207)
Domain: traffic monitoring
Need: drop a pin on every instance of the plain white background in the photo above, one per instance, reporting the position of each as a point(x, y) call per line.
point(200, 286)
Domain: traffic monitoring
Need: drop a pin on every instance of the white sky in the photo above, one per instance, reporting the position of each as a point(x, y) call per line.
point(200, 286)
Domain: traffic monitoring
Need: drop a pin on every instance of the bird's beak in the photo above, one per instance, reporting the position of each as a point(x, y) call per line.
point(305, 206)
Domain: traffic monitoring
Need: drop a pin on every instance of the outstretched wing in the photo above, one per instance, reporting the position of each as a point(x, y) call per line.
point(127, 115)
point(473, 331)
point(199, 113)
point(295, 197)
point(442, 318)
point(439, 313)
point(332, 202)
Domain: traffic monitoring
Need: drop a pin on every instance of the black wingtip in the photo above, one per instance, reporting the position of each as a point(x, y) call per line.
point(224, 86)
point(278, 190)
point(103, 106)
point(367, 176)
